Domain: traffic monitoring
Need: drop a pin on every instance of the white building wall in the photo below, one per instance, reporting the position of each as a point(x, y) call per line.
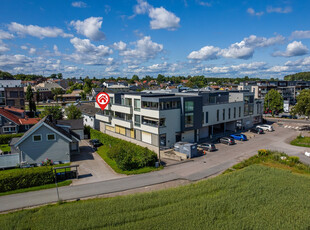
point(188, 136)
point(89, 121)
point(173, 124)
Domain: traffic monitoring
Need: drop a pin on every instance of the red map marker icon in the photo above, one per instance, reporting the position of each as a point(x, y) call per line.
point(102, 100)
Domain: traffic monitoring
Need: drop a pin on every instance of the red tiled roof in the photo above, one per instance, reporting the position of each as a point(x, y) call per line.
point(14, 109)
point(29, 121)
point(9, 116)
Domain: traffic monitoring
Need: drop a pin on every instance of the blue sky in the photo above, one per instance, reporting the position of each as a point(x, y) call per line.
point(173, 37)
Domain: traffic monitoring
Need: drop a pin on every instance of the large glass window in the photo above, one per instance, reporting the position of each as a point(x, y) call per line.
point(189, 106)
point(229, 113)
point(223, 114)
point(202, 117)
point(207, 117)
point(189, 120)
point(239, 111)
point(234, 112)
point(217, 115)
point(137, 120)
point(137, 104)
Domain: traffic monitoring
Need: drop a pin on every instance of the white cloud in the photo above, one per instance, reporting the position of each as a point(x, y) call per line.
point(245, 48)
point(293, 49)
point(144, 50)
point(161, 18)
point(300, 34)
point(120, 45)
point(280, 10)
point(24, 47)
point(90, 28)
point(241, 68)
point(79, 4)
point(208, 4)
point(32, 51)
point(278, 69)
point(252, 12)
point(56, 51)
point(37, 31)
point(86, 47)
point(205, 53)
point(70, 69)
point(142, 7)
point(5, 35)
point(3, 47)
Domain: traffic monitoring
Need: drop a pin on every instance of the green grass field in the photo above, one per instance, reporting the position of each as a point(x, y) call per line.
point(5, 148)
point(301, 141)
point(255, 197)
point(102, 151)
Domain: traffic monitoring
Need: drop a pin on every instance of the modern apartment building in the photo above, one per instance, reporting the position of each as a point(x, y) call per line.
point(12, 93)
point(162, 119)
point(288, 89)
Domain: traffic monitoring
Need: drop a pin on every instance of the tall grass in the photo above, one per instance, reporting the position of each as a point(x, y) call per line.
point(256, 197)
point(301, 141)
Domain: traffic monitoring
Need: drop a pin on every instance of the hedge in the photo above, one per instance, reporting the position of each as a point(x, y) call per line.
point(24, 178)
point(128, 156)
point(6, 138)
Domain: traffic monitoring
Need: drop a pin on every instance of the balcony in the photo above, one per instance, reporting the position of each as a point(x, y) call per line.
point(104, 118)
point(121, 108)
point(122, 122)
point(108, 106)
point(150, 112)
point(149, 128)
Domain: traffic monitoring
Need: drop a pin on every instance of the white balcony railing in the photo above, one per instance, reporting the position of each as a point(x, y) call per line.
point(121, 108)
point(103, 118)
point(121, 122)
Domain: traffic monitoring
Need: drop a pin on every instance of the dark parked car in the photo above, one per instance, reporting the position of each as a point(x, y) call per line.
point(95, 143)
point(257, 130)
point(207, 146)
point(289, 116)
point(239, 137)
point(227, 140)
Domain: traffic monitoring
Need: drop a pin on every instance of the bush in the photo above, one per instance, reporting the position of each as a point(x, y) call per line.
point(24, 178)
point(6, 138)
point(263, 152)
point(128, 156)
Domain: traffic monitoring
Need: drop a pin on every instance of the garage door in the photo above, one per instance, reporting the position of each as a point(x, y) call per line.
point(147, 137)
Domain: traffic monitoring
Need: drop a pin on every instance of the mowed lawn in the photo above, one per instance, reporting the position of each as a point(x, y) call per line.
point(256, 197)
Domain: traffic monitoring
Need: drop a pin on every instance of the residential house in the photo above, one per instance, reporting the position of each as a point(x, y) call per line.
point(11, 122)
point(12, 93)
point(75, 126)
point(45, 90)
point(45, 140)
point(88, 112)
point(74, 96)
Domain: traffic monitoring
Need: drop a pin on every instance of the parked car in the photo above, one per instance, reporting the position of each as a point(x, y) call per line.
point(239, 137)
point(289, 116)
point(207, 146)
point(227, 140)
point(265, 127)
point(95, 143)
point(257, 130)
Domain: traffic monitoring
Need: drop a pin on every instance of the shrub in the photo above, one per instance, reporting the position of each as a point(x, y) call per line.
point(263, 152)
point(24, 178)
point(6, 138)
point(128, 156)
point(294, 159)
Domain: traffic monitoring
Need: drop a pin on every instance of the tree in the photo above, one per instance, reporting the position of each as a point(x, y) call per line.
point(38, 96)
point(273, 101)
point(83, 96)
point(29, 98)
point(302, 106)
point(54, 111)
point(53, 75)
point(56, 92)
point(160, 78)
point(135, 78)
point(59, 75)
point(73, 112)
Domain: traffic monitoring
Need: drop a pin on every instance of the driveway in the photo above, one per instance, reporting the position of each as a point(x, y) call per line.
point(92, 168)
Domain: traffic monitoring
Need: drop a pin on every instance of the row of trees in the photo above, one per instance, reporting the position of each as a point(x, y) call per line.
point(302, 76)
point(72, 112)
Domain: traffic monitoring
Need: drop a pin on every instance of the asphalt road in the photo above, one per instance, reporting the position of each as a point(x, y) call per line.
point(201, 167)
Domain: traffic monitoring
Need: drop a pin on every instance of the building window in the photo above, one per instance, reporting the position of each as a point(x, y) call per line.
point(137, 104)
point(9, 129)
point(234, 112)
point(137, 120)
point(22, 102)
point(217, 115)
point(27, 127)
point(51, 137)
point(14, 94)
point(189, 106)
point(229, 113)
point(207, 117)
point(239, 111)
point(37, 138)
point(189, 120)
point(223, 114)
point(21, 94)
point(202, 117)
